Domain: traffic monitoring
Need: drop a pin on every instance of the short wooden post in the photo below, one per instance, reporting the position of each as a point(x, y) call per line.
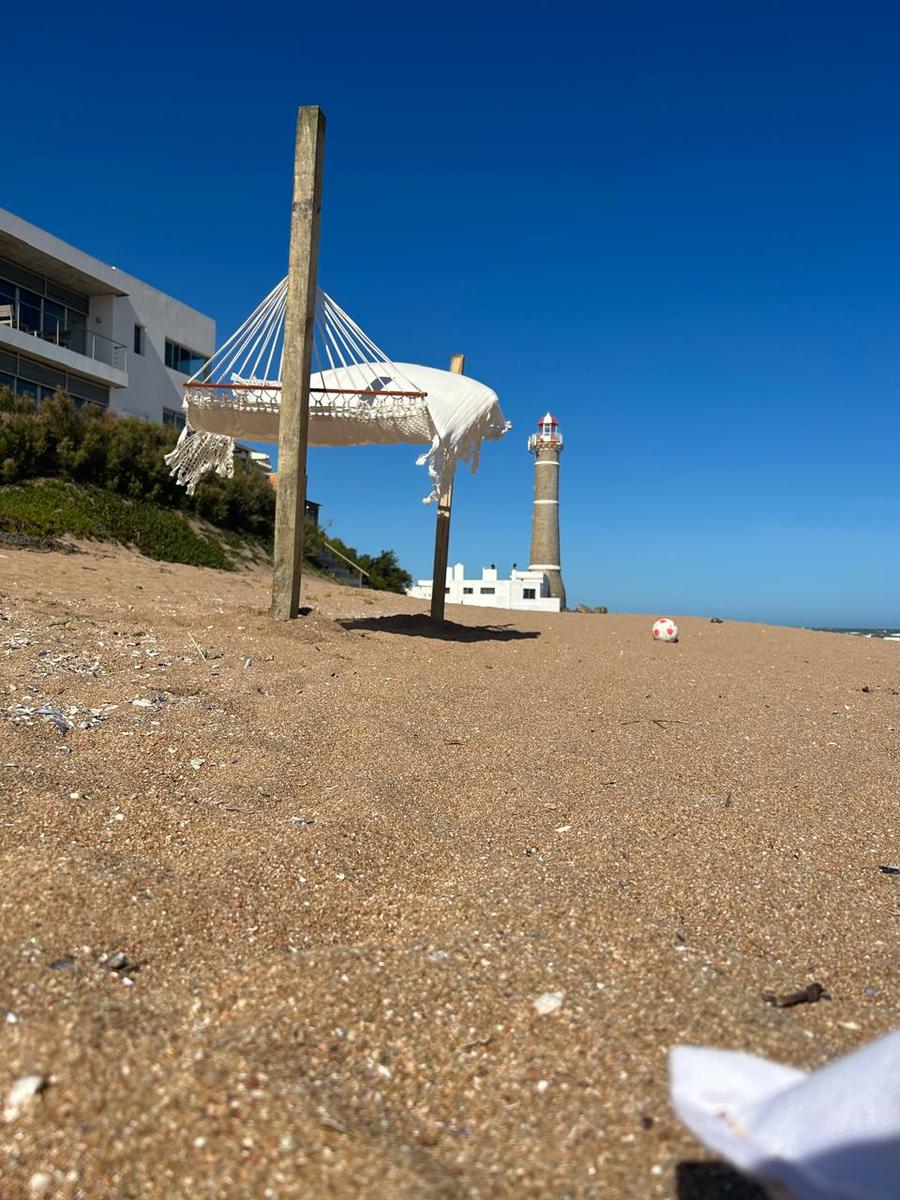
point(300, 314)
point(442, 528)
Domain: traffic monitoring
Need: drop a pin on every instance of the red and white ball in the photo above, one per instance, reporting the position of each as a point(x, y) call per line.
point(665, 630)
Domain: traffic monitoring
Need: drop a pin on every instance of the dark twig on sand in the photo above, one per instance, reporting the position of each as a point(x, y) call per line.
point(475, 1043)
point(807, 995)
point(660, 722)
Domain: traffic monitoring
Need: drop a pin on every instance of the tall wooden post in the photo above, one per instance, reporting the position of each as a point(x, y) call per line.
point(442, 528)
point(300, 313)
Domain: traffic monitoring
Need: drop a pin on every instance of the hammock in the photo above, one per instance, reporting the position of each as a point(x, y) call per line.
point(357, 397)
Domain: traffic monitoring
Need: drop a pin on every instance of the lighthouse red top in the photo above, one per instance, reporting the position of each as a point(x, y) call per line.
point(547, 435)
point(548, 429)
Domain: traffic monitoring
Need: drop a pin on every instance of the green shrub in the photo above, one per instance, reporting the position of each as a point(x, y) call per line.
point(124, 457)
point(52, 507)
point(385, 572)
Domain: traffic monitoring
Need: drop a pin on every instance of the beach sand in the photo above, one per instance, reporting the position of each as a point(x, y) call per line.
point(342, 857)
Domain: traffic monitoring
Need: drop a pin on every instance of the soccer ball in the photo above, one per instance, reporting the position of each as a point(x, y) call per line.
point(665, 630)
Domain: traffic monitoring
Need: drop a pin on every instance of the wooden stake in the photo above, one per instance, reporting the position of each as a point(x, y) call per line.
point(442, 528)
point(300, 313)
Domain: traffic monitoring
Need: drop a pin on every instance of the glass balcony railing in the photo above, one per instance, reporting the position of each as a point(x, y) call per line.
point(71, 336)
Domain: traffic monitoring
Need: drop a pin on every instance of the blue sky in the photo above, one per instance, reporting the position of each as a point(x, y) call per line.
point(676, 226)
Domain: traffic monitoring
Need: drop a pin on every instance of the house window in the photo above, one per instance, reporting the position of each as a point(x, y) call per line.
point(179, 358)
point(488, 591)
point(40, 373)
point(77, 331)
point(138, 339)
point(83, 391)
point(40, 382)
point(29, 311)
point(173, 416)
point(467, 591)
point(528, 593)
point(37, 306)
point(54, 322)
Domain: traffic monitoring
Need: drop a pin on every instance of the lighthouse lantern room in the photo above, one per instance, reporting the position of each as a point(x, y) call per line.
point(547, 435)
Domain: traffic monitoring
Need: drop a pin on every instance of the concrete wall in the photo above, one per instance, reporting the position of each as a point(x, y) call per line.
point(506, 594)
point(151, 384)
point(117, 302)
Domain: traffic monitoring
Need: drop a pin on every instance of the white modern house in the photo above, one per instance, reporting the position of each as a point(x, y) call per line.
point(524, 590)
point(70, 322)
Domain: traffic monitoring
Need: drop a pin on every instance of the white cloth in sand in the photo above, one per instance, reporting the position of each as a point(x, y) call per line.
point(833, 1134)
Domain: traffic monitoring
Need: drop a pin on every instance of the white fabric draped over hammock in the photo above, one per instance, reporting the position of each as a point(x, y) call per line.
point(357, 397)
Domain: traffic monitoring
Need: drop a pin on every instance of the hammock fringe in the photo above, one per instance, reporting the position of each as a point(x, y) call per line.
point(358, 397)
point(446, 452)
point(196, 454)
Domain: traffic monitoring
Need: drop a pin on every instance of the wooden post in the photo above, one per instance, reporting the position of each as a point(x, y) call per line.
point(300, 314)
point(442, 528)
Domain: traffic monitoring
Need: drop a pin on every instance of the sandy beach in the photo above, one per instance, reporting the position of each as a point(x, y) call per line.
point(277, 907)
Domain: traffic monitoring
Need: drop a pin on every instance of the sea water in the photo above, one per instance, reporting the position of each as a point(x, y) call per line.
point(888, 635)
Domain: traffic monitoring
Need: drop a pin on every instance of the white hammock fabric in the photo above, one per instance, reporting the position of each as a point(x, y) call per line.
point(831, 1135)
point(357, 397)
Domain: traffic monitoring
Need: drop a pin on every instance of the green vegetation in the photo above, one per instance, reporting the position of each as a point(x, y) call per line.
point(92, 474)
point(385, 572)
point(122, 455)
point(50, 508)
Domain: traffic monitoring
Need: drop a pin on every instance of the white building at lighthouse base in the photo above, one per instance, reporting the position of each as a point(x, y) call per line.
point(527, 591)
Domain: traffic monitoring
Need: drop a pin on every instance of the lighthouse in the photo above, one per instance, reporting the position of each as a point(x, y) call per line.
point(546, 445)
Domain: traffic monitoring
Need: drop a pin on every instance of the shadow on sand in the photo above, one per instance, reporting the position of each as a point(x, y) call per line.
point(421, 625)
point(867, 1166)
point(713, 1181)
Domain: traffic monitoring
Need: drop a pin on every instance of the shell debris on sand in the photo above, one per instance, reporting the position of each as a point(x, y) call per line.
point(339, 925)
point(548, 1002)
point(21, 1094)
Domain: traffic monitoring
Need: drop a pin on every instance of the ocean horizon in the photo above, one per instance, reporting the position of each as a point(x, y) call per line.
point(887, 634)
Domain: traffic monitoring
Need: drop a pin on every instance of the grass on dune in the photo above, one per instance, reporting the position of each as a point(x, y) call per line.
point(51, 508)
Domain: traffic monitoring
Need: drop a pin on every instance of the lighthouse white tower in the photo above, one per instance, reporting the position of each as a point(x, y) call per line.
point(546, 445)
